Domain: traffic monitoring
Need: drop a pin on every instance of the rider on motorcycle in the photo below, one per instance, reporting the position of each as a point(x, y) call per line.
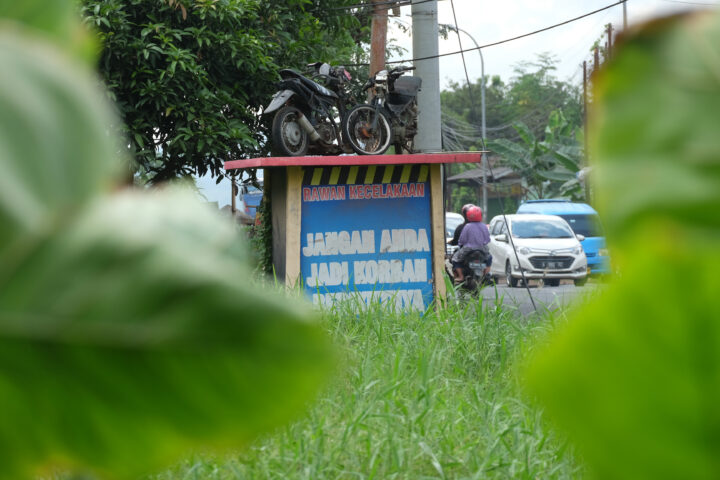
point(474, 236)
point(458, 229)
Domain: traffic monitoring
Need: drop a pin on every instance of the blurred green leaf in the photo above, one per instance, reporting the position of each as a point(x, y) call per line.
point(129, 331)
point(634, 377)
point(658, 127)
point(55, 19)
point(131, 336)
point(55, 145)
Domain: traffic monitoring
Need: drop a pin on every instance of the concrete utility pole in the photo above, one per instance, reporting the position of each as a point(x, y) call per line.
point(378, 36)
point(625, 15)
point(425, 44)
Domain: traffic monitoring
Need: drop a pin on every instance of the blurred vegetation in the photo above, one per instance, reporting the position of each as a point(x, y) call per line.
point(190, 76)
point(634, 376)
point(129, 334)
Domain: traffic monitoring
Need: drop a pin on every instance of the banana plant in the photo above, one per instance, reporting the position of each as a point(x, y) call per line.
point(549, 165)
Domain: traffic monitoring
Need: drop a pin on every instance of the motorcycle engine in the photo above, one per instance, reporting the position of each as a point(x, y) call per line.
point(326, 132)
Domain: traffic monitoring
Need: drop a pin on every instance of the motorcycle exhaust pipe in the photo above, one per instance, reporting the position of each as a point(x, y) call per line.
point(307, 126)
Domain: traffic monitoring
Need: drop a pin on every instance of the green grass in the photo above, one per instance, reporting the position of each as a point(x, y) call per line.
point(414, 397)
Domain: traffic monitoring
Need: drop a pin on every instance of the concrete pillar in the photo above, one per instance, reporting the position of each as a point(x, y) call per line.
point(425, 44)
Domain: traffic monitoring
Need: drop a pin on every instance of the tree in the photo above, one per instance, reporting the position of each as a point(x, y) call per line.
point(189, 77)
point(528, 97)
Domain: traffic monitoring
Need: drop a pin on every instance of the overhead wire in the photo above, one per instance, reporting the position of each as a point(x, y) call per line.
point(693, 3)
point(490, 169)
point(500, 42)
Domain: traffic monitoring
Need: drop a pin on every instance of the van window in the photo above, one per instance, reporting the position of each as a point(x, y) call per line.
point(587, 225)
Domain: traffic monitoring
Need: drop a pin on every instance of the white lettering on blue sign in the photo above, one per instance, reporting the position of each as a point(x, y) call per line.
point(368, 240)
point(372, 272)
point(328, 274)
point(339, 243)
point(409, 299)
point(404, 240)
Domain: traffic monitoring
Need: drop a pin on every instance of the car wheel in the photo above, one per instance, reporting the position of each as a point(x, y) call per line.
point(580, 282)
point(552, 282)
point(509, 280)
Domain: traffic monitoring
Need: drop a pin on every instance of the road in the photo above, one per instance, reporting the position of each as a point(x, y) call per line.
point(546, 298)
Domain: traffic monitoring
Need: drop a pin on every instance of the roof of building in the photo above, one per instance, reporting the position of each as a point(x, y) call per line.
point(494, 174)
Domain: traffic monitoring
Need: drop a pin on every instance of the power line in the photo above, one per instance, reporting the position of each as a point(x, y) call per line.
point(693, 3)
point(501, 41)
point(484, 182)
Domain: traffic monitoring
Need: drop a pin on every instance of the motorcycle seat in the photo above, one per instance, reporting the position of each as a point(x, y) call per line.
point(408, 86)
point(313, 86)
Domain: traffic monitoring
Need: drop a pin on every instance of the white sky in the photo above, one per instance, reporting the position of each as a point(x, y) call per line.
point(489, 21)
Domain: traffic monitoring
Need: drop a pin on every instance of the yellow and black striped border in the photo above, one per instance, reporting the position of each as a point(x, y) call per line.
point(365, 174)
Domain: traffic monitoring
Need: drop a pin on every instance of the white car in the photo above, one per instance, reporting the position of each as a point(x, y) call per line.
point(546, 248)
point(452, 220)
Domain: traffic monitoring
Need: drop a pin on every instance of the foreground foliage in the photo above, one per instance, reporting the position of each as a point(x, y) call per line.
point(430, 397)
point(129, 333)
point(634, 377)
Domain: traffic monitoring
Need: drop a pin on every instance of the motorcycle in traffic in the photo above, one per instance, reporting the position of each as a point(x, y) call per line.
point(474, 267)
point(308, 115)
point(389, 118)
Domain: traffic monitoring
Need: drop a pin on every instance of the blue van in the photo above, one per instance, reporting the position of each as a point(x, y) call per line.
point(584, 220)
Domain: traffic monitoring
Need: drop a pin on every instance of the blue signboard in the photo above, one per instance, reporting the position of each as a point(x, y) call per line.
point(366, 232)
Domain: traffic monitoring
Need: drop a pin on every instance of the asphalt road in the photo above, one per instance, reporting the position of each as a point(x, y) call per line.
point(546, 298)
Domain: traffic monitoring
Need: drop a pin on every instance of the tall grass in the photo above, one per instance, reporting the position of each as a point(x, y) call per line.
point(415, 397)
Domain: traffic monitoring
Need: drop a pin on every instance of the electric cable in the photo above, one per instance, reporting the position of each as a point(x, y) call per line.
point(694, 3)
point(485, 150)
point(493, 44)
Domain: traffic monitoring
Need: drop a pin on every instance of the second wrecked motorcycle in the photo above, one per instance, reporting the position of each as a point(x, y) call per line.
point(390, 118)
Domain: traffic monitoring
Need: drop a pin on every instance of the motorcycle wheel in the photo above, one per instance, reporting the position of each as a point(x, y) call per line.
point(359, 132)
point(289, 138)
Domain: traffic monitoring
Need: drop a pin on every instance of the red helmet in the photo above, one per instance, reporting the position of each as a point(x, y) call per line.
point(474, 214)
point(465, 208)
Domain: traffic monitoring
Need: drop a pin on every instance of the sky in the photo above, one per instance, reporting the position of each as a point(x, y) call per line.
point(489, 21)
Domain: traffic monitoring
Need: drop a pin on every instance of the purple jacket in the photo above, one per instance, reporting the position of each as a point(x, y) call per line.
point(474, 235)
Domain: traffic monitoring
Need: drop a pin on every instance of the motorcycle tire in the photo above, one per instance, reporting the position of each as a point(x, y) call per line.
point(359, 132)
point(288, 137)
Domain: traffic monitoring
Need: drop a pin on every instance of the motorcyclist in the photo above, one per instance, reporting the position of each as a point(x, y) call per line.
point(474, 236)
point(458, 229)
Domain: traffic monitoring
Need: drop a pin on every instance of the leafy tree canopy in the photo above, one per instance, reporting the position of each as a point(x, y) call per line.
point(190, 76)
point(528, 97)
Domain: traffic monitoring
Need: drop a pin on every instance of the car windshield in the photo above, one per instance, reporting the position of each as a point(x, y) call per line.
point(587, 225)
point(451, 223)
point(540, 229)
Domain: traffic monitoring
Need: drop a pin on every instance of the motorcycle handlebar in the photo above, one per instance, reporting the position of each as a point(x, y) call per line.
point(401, 69)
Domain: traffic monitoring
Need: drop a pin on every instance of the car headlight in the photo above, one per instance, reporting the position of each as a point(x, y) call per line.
point(524, 251)
point(603, 252)
point(577, 250)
